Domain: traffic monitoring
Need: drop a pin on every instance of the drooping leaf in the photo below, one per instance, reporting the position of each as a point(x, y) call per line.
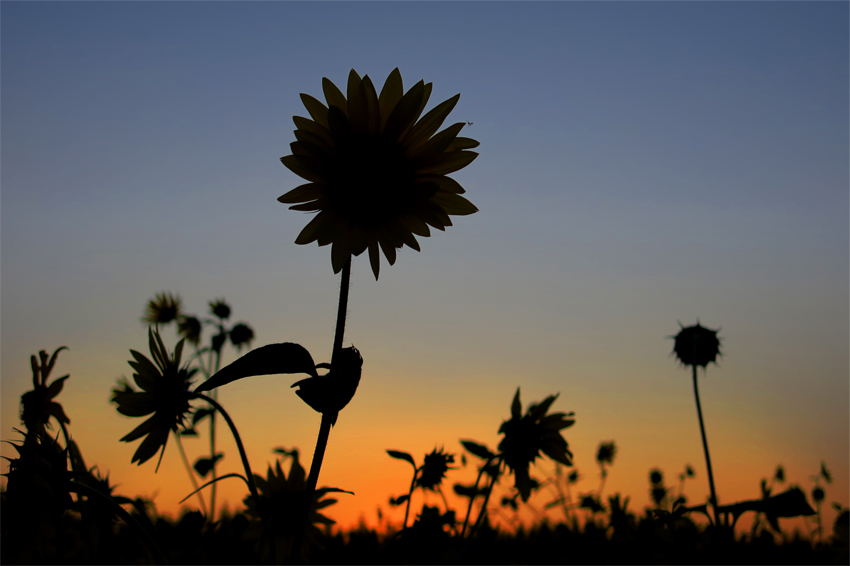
point(268, 360)
point(399, 455)
point(477, 449)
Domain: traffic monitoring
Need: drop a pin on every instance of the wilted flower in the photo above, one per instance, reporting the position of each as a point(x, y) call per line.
point(434, 469)
point(162, 309)
point(37, 406)
point(241, 335)
point(376, 176)
point(220, 309)
point(527, 435)
point(189, 327)
point(606, 452)
point(164, 392)
point(696, 345)
point(329, 393)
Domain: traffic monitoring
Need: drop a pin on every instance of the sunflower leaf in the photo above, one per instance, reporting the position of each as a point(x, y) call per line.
point(267, 360)
point(399, 455)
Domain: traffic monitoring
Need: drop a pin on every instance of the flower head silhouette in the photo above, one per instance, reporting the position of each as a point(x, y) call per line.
point(697, 345)
point(164, 392)
point(377, 176)
point(162, 309)
point(529, 434)
point(330, 393)
point(434, 469)
point(37, 406)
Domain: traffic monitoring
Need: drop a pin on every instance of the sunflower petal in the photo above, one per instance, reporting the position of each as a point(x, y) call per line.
point(463, 143)
point(400, 232)
point(340, 127)
point(430, 123)
point(302, 193)
point(375, 258)
point(436, 145)
point(445, 183)
point(340, 253)
point(298, 148)
point(314, 142)
point(311, 206)
point(304, 166)
point(389, 250)
point(334, 96)
point(317, 110)
point(374, 124)
point(391, 94)
point(141, 430)
point(310, 232)
point(306, 125)
point(454, 204)
point(415, 225)
point(358, 107)
point(449, 162)
point(157, 439)
point(405, 112)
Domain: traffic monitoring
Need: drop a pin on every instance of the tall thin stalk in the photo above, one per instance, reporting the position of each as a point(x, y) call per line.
point(705, 449)
point(327, 419)
point(190, 472)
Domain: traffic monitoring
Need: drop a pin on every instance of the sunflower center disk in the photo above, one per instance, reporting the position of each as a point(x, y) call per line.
point(371, 181)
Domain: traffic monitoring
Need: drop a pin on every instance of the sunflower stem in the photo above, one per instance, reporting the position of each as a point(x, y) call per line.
point(410, 496)
point(245, 464)
point(705, 449)
point(341, 310)
point(190, 472)
point(327, 419)
point(474, 495)
point(483, 510)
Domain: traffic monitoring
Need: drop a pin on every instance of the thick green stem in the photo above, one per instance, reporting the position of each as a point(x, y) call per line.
point(190, 472)
point(705, 448)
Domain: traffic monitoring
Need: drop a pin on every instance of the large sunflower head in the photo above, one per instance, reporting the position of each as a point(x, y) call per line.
point(377, 172)
point(164, 394)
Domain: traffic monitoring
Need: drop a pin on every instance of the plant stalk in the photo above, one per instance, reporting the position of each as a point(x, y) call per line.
point(410, 496)
point(190, 472)
point(327, 419)
point(705, 449)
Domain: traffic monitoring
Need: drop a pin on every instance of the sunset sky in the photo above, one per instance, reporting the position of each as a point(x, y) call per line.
point(641, 165)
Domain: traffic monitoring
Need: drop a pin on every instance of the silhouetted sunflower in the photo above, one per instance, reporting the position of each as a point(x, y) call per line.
point(377, 176)
point(527, 435)
point(241, 335)
point(164, 392)
point(37, 406)
point(696, 345)
point(189, 327)
point(162, 309)
point(606, 452)
point(434, 469)
point(220, 309)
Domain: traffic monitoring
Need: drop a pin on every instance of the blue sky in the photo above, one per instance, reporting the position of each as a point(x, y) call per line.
point(641, 163)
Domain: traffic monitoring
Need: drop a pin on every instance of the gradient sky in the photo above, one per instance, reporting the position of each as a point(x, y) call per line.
point(640, 164)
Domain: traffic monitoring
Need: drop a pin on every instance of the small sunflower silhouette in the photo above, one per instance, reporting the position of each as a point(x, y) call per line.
point(697, 345)
point(164, 392)
point(434, 469)
point(377, 176)
point(162, 309)
point(38, 405)
point(529, 434)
